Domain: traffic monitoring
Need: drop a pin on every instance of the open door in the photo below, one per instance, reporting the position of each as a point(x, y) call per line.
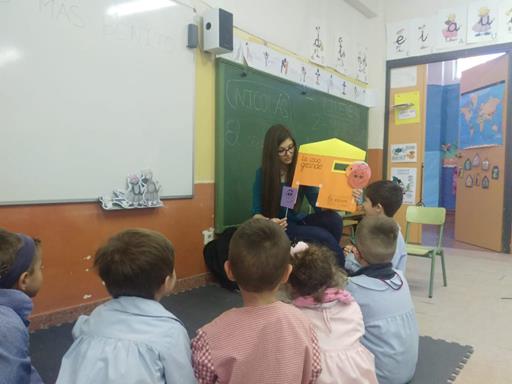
point(482, 215)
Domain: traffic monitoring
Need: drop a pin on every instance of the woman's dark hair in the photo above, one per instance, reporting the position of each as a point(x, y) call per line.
point(271, 168)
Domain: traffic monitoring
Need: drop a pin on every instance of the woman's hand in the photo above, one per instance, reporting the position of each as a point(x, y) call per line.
point(282, 222)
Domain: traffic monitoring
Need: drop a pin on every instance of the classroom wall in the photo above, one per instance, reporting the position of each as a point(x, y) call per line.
point(284, 23)
point(400, 10)
point(72, 232)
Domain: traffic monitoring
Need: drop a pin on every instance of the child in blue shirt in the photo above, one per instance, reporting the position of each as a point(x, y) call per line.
point(391, 330)
point(131, 338)
point(20, 280)
point(384, 198)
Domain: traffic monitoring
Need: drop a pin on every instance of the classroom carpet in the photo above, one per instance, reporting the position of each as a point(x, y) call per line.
point(439, 361)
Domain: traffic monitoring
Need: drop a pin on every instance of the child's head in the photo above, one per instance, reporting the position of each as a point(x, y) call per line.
point(259, 256)
point(314, 270)
point(382, 197)
point(376, 239)
point(137, 262)
point(20, 262)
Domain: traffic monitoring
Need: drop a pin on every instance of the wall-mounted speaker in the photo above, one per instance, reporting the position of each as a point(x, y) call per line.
point(217, 31)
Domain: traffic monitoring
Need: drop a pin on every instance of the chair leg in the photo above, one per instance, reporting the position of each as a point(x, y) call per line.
point(441, 253)
point(432, 269)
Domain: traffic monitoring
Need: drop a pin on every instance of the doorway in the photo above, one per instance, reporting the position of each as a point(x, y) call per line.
point(478, 214)
point(442, 153)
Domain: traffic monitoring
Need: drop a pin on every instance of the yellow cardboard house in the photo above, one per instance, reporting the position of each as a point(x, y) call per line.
point(324, 164)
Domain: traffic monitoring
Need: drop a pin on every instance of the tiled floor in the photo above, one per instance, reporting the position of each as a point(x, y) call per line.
point(474, 309)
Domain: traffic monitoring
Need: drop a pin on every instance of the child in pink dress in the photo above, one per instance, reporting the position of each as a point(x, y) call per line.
point(266, 341)
point(316, 287)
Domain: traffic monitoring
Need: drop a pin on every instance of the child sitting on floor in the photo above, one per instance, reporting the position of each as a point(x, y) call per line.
point(384, 198)
point(265, 341)
point(316, 288)
point(20, 280)
point(131, 338)
point(391, 331)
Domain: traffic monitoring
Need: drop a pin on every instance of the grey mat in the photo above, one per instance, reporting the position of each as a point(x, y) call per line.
point(439, 361)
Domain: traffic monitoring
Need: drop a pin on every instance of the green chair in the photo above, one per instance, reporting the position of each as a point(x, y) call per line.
point(432, 216)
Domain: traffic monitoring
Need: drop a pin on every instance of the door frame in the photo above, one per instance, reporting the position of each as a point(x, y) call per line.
point(453, 55)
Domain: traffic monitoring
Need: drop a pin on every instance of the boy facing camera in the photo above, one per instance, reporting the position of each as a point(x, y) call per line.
point(20, 280)
point(382, 198)
point(265, 341)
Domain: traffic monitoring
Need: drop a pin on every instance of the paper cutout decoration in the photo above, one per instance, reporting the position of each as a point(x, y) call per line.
point(460, 172)
point(467, 165)
point(142, 191)
point(476, 161)
point(469, 181)
point(324, 164)
point(485, 165)
point(289, 197)
point(495, 172)
point(477, 180)
point(485, 182)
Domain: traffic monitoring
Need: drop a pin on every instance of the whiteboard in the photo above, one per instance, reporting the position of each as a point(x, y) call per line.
point(90, 94)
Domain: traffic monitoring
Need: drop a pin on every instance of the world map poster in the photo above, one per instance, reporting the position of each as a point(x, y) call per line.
point(481, 114)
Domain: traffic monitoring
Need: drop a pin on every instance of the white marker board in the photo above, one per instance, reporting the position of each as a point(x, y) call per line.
point(89, 95)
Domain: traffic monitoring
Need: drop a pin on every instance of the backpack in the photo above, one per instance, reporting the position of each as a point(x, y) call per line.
point(215, 255)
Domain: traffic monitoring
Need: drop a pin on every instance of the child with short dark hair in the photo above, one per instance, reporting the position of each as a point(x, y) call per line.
point(266, 341)
point(382, 197)
point(385, 300)
point(20, 280)
point(316, 288)
point(131, 338)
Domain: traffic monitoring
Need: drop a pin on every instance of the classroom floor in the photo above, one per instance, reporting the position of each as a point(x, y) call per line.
point(474, 309)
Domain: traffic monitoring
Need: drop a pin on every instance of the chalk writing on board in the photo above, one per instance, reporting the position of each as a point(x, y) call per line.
point(232, 132)
point(311, 162)
point(62, 11)
point(138, 34)
point(340, 112)
point(254, 97)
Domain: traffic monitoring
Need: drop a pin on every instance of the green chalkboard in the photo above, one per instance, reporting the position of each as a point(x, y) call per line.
point(248, 102)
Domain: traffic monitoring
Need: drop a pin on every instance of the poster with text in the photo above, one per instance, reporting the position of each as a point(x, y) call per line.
point(397, 37)
point(343, 55)
point(420, 36)
point(404, 153)
point(362, 64)
point(316, 42)
point(482, 21)
point(505, 20)
point(450, 25)
point(406, 179)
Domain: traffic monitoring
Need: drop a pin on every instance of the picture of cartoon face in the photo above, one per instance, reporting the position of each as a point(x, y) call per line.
point(358, 174)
